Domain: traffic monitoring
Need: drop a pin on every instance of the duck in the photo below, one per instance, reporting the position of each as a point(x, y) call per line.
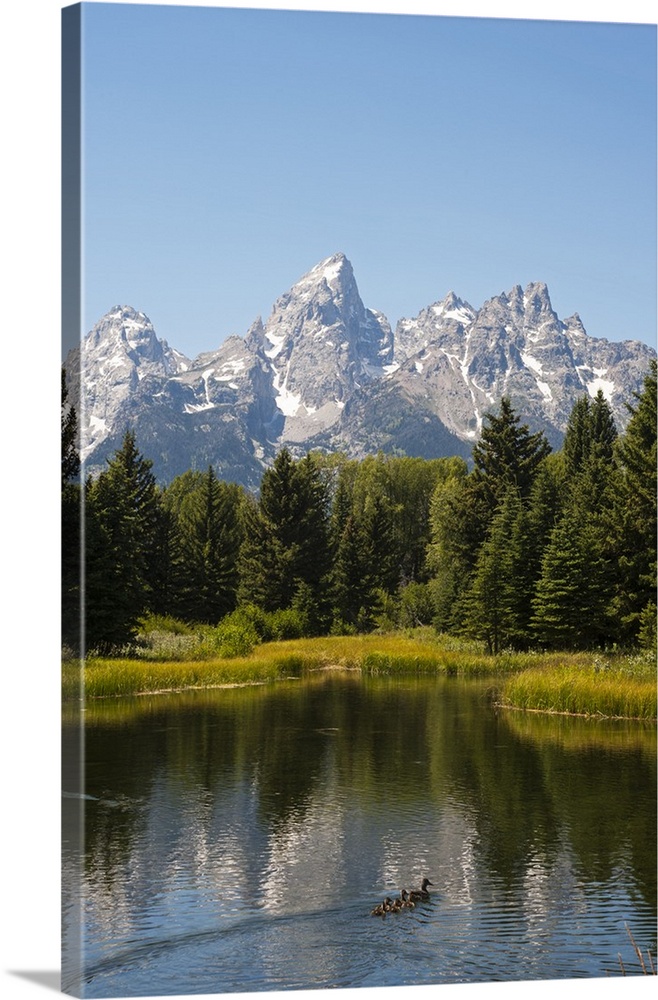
point(383, 908)
point(417, 894)
point(405, 901)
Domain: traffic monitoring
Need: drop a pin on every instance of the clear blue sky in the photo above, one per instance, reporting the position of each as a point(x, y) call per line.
point(227, 151)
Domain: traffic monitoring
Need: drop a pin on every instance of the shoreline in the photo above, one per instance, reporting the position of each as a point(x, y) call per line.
point(570, 684)
point(597, 716)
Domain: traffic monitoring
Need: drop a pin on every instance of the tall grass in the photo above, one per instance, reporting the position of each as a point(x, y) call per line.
point(393, 653)
point(615, 692)
point(105, 678)
point(577, 683)
point(369, 654)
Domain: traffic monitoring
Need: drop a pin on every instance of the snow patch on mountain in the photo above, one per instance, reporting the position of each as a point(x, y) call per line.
point(277, 344)
point(532, 363)
point(461, 313)
point(288, 402)
point(593, 385)
point(544, 388)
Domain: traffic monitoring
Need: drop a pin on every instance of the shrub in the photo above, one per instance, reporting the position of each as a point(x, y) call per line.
point(416, 605)
point(287, 623)
point(647, 634)
point(388, 613)
point(253, 617)
point(340, 627)
point(164, 623)
point(236, 635)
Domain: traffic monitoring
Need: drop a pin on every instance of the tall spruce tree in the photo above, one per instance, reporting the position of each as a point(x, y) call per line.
point(71, 538)
point(577, 437)
point(459, 517)
point(206, 545)
point(163, 599)
point(374, 509)
point(507, 454)
point(604, 431)
point(589, 451)
point(351, 583)
point(573, 592)
point(286, 537)
point(492, 604)
point(354, 594)
point(69, 420)
point(121, 519)
point(635, 518)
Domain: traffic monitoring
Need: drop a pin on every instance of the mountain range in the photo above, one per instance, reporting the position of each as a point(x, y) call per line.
point(326, 372)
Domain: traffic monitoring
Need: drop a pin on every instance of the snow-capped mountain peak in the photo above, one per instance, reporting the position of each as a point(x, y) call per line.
point(321, 343)
point(120, 358)
point(334, 271)
point(452, 307)
point(321, 372)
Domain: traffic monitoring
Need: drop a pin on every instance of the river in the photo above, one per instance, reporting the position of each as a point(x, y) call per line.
point(237, 840)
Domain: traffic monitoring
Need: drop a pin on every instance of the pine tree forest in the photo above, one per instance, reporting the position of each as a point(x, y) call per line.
point(521, 548)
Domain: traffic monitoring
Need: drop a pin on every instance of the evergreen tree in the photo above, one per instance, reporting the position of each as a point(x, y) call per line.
point(366, 565)
point(286, 541)
point(526, 549)
point(530, 535)
point(492, 605)
point(494, 571)
point(577, 437)
point(376, 520)
point(603, 429)
point(204, 546)
point(314, 554)
point(635, 515)
point(107, 617)
point(260, 558)
point(374, 509)
point(569, 607)
point(507, 454)
point(545, 504)
point(353, 582)
point(69, 419)
point(459, 517)
point(341, 506)
point(171, 542)
point(589, 450)
point(71, 539)
point(590, 435)
point(121, 518)
point(164, 596)
point(510, 560)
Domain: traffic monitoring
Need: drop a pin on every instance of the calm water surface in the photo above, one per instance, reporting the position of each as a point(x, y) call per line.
point(236, 840)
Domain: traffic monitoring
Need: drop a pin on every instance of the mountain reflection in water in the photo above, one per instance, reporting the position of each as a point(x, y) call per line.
point(236, 840)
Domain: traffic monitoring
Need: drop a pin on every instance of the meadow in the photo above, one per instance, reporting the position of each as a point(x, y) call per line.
point(611, 685)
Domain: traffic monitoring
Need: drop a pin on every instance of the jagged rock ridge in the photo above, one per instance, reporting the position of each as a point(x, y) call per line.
point(325, 371)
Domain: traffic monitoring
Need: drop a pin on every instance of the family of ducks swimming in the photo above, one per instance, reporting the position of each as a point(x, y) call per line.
point(405, 901)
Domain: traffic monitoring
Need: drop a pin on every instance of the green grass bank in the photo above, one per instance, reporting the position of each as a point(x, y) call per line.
point(614, 685)
point(623, 689)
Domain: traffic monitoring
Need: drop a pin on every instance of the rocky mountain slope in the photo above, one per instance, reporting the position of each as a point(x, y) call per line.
point(325, 371)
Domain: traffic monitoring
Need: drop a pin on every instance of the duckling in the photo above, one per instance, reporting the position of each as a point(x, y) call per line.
point(417, 894)
point(405, 901)
point(383, 908)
